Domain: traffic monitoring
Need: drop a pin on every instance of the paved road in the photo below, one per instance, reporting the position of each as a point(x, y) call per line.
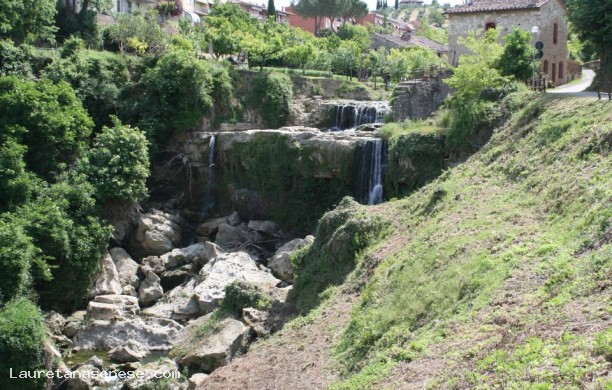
point(578, 89)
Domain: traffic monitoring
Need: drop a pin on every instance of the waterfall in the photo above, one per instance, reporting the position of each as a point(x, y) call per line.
point(349, 115)
point(210, 173)
point(370, 160)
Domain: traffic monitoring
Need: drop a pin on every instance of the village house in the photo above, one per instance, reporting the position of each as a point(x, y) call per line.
point(398, 27)
point(548, 15)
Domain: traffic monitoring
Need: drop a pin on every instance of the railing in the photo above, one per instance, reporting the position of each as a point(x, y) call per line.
point(601, 94)
point(537, 85)
point(594, 65)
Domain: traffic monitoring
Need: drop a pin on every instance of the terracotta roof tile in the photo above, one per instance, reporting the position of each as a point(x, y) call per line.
point(495, 5)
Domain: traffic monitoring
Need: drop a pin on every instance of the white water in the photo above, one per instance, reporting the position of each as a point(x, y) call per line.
point(349, 115)
point(375, 180)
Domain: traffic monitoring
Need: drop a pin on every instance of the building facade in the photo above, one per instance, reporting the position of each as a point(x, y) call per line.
point(548, 15)
point(398, 27)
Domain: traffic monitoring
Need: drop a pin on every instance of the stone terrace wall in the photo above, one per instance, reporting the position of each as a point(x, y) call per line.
point(419, 99)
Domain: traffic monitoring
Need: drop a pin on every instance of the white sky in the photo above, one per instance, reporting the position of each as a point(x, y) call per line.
point(371, 3)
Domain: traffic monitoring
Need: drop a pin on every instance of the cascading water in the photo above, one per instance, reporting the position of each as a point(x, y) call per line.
point(210, 173)
point(371, 159)
point(349, 115)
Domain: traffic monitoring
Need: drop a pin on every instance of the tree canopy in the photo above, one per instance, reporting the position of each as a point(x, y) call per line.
point(27, 20)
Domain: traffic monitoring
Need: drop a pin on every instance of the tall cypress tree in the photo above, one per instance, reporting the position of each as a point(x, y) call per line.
point(396, 5)
point(271, 8)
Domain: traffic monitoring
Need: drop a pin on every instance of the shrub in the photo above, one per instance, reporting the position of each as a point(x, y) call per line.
point(272, 94)
point(240, 295)
point(176, 95)
point(223, 95)
point(16, 256)
point(17, 185)
point(118, 163)
point(47, 118)
point(15, 60)
point(22, 334)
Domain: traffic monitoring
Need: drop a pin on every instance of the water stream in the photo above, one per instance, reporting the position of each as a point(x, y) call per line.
point(371, 161)
point(350, 115)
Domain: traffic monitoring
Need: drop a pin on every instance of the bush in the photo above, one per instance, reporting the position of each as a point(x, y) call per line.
point(15, 60)
point(17, 185)
point(118, 163)
point(176, 95)
point(22, 334)
point(223, 95)
point(272, 94)
point(47, 118)
point(16, 256)
point(240, 295)
point(472, 126)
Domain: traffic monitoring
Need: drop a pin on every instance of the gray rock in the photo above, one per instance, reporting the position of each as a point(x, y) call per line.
point(232, 237)
point(215, 349)
point(257, 320)
point(179, 304)
point(176, 277)
point(234, 219)
point(153, 263)
point(158, 232)
point(145, 375)
point(225, 269)
point(268, 227)
point(209, 228)
point(88, 377)
point(150, 289)
point(129, 290)
point(131, 351)
point(96, 362)
point(280, 263)
point(126, 267)
point(73, 323)
point(107, 281)
point(199, 253)
point(105, 307)
point(197, 380)
point(153, 333)
point(55, 322)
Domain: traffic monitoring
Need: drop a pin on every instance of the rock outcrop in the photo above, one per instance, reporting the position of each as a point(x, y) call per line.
point(157, 233)
point(280, 263)
point(150, 290)
point(131, 351)
point(127, 268)
point(107, 281)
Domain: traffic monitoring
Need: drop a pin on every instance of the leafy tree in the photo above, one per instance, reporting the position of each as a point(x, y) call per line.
point(15, 60)
point(27, 20)
point(409, 62)
point(144, 27)
point(592, 21)
point(355, 9)
point(48, 119)
point(356, 33)
point(378, 65)
point(332, 9)
point(17, 253)
point(118, 163)
point(344, 59)
point(175, 95)
point(22, 335)
point(225, 29)
point(300, 55)
point(477, 71)
point(17, 185)
point(266, 41)
point(517, 59)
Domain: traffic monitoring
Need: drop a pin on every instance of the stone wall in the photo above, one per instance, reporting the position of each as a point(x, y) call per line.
point(544, 17)
point(419, 99)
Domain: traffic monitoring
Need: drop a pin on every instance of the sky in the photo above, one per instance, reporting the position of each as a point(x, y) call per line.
point(371, 3)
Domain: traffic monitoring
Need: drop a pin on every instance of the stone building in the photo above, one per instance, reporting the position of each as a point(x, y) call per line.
point(548, 15)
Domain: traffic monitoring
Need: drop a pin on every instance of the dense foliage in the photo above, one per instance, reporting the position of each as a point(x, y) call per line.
point(272, 94)
point(27, 20)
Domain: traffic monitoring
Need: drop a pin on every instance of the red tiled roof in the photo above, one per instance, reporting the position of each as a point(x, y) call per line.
point(495, 5)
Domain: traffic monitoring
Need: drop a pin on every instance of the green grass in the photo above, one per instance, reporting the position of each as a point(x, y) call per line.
point(536, 200)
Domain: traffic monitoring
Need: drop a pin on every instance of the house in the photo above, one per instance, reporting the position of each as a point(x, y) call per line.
point(548, 15)
point(128, 6)
point(199, 7)
point(411, 3)
point(408, 40)
point(308, 24)
point(398, 27)
point(256, 11)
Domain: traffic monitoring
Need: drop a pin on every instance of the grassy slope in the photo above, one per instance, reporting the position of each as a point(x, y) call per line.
point(502, 272)
point(496, 275)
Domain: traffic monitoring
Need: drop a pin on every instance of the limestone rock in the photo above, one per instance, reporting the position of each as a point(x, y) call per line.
point(153, 263)
point(126, 267)
point(209, 228)
point(199, 253)
point(179, 304)
point(107, 281)
point(234, 219)
point(153, 333)
point(268, 227)
point(73, 323)
point(145, 375)
point(176, 277)
point(197, 380)
point(233, 237)
point(150, 289)
point(257, 320)
point(216, 349)
point(225, 269)
point(105, 307)
point(280, 263)
point(96, 362)
point(158, 232)
point(55, 322)
point(131, 351)
point(88, 378)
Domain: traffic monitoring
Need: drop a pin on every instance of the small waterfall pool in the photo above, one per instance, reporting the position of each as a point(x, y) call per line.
point(371, 162)
point(351, 114)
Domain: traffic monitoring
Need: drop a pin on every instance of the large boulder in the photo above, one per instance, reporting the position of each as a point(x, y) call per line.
point(87, 378)
point(209, 228)
point(179, 304)
point(268, 227)
point(153, 333)
point(198, 254)
point(126, 267)
point(105, 307)
point(221, 271)
point(207, 351)
point(73, 323)
point(150, 290)
point(131, 351)
point(174, 278)
point(234, 237)
point(157, 233)
point(280, 263)
point(107, 281)
point(55, 322)
point(147, 376)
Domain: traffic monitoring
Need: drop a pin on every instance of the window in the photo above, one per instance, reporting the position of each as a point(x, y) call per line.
point(545, 67)
point(490, 26)
point(118, 6)
point(555, 33)
point(129, 7)
point(554, 73)
point(561, 71)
